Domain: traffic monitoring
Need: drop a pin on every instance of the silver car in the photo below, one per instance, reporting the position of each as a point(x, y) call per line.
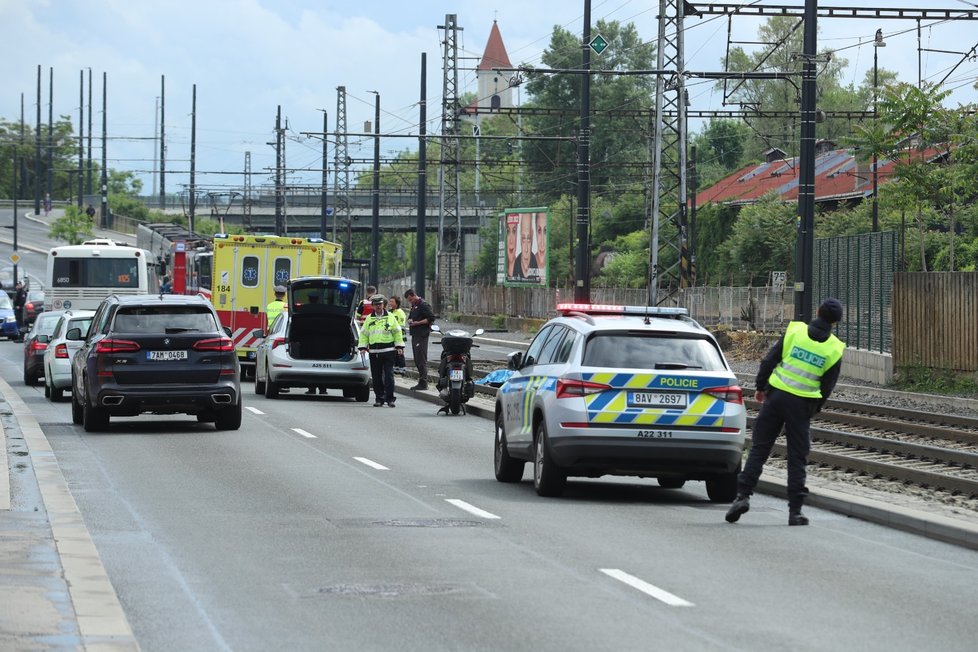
point(621, 390)
point(314, 342)
point(67, 338)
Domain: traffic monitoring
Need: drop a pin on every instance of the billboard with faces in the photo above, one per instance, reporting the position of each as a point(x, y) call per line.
point(524, 251)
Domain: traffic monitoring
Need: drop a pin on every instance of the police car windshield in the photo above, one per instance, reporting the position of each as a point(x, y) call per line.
point(651, 351)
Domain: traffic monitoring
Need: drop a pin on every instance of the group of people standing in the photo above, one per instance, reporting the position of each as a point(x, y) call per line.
point(384, 326)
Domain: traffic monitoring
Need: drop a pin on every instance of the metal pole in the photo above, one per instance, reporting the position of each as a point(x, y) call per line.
point(37, 150)
point(325, 194)
point(419, 270)
point(105, 159)
point(582, 287)
point(88, 173)
point(81, 138)
point(193, 160)
point(48, 195)
point(804, 250)
point(162, 142)
point(375, 224)
point(876, 208)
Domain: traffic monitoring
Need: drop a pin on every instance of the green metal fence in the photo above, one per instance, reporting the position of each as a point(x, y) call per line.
point(858, 270)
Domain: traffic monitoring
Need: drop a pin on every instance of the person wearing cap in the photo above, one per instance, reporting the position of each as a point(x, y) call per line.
point(274, 308)
point(793, 382)
point(381, 336)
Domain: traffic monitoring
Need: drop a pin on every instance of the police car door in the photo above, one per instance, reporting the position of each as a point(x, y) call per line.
point(514, 390)
point(539, 386)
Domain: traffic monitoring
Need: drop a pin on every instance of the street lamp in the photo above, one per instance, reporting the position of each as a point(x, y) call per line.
point(878, 43)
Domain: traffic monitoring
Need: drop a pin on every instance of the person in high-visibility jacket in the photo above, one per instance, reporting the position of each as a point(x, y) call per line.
point(381, 336)
point(275, 308)
point(793, 382)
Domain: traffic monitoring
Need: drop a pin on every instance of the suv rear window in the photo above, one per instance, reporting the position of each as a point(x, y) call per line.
point(651, 351)
point(164, 319)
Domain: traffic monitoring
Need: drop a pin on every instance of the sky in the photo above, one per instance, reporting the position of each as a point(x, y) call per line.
point(248, 57)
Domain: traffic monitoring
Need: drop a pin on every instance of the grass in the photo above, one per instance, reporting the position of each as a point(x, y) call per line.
point(916, 378)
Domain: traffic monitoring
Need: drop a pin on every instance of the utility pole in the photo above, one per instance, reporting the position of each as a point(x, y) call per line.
point(805, 245)
point(448, 264)
point(48, 195)
point(246, 209)
point(88, 175)
point(81, 138)
point(582, 285)
point(341, 173)
point(279, 190)
point(324, 208)
point(104, 215)
point(878, 43)
point(193, 161)
point(419, 266)
point(162, 142)
point(37, 149)
point(375, 223)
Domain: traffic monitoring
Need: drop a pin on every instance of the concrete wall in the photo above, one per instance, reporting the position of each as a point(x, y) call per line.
point(871, 366)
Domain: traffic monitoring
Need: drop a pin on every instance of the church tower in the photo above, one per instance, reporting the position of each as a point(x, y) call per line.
point(494, 89)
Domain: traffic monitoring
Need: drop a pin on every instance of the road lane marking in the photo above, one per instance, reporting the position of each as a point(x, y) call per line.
point(253, 410)
point(471, 509)
point(304, 433)
point(646, 588)
point(371, 463)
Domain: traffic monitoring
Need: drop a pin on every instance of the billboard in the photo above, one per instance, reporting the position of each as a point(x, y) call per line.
point(524, 251)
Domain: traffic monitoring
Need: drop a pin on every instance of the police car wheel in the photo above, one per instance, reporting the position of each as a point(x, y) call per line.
point(722, 488)
point(548, 479)
point(506, 467)
point(271, 388)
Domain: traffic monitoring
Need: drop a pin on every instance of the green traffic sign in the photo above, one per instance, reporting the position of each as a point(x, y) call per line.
point(598, 44)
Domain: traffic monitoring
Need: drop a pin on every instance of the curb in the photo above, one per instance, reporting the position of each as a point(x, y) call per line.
point(102, 623)
point(914, 521)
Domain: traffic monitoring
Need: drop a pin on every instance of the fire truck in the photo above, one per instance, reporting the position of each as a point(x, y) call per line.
point(238, 273)
point(246, 270)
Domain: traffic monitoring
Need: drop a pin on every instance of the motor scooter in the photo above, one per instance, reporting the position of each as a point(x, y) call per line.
point(455, 385)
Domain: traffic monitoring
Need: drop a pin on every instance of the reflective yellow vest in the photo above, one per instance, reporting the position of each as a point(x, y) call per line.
point(381, 333)
point(273, 309)
point(804, 361)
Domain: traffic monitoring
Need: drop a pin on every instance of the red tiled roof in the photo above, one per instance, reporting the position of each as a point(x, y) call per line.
point(836, 177)
point(495, 55)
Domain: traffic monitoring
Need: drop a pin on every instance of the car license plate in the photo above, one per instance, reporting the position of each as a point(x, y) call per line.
point(455, 374)
point(166, 355)
point(657, 399)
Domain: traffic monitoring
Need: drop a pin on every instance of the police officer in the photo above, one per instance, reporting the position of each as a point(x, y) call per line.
point(793, 382)
point(274, 308)
point(381, 336)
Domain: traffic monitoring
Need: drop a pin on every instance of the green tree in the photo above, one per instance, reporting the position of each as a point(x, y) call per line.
point(74, 226)
point(763, 240)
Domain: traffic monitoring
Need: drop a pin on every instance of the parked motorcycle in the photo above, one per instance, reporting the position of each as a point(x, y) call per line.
point(455, 385)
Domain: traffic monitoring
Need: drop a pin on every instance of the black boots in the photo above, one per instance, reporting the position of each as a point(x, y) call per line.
point(740, 506)
point(795, 517)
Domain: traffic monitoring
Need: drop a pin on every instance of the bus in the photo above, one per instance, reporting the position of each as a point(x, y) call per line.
point(80, 276)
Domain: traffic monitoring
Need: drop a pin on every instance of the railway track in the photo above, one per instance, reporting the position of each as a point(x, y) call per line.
point(935, 451)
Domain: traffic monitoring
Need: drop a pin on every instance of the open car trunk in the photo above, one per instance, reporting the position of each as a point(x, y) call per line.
point(321, 310)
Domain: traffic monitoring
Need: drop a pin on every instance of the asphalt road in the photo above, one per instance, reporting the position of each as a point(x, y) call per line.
point(329, 524)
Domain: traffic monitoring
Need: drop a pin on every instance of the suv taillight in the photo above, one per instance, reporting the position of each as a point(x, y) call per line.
point(569, 388)
point(731, 394)
point(223, 344)
point(61, 351)
point(38, 346)
point(116, 346)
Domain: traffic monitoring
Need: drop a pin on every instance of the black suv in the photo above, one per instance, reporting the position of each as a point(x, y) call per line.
point(162, 354)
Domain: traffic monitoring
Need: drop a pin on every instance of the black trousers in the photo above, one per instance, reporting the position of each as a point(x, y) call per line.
point(382, 371)
point(794, 414)
point(419, 348)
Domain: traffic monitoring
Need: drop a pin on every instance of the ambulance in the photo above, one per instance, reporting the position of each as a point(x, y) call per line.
point(246, 269)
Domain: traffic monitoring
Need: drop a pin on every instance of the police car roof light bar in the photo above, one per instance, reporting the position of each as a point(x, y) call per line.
point(611, 309)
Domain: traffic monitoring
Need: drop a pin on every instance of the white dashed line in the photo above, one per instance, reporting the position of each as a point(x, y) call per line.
point(645, 587)
point(471, 509)
point(304, 433)
point(371, 464)
point(253, 410)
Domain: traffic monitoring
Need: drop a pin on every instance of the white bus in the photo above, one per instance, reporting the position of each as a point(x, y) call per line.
point(80, 276)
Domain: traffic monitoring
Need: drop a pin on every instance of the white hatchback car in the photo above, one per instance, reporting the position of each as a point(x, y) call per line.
point(67, 338)
point(621, 390)
point(314, 342)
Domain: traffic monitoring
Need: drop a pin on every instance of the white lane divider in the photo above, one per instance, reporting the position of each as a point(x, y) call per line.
point(371, 463)
point(304, 433)
point(646, 588)
point(253, 410)
point(471, 509)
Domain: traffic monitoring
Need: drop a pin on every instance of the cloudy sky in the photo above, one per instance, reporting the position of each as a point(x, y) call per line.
point(247, 57)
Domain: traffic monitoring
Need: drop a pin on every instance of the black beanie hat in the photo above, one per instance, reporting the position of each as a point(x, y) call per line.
point(830, 310)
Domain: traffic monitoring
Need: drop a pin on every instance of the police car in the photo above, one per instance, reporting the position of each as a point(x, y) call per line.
point(621, 390)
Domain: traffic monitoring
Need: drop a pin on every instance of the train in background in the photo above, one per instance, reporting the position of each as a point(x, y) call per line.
point(238, 273)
